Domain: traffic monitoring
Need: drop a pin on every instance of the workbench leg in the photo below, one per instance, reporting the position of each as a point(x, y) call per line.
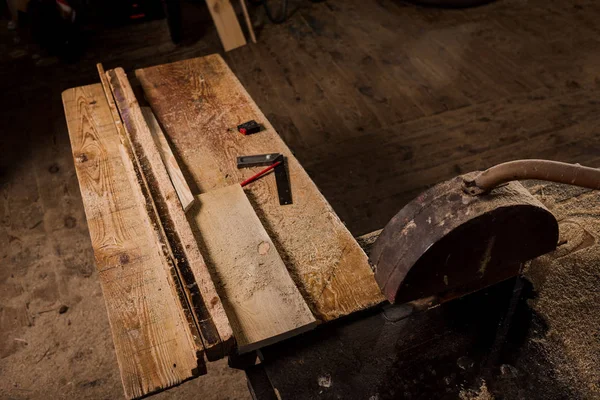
point(259, 384)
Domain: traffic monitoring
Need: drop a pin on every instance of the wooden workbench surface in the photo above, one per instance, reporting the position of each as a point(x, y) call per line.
point(200, 102)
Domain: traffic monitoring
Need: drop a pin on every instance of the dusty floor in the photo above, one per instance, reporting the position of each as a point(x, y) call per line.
point(471, 100)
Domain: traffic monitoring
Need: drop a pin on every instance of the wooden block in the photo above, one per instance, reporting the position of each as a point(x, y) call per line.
point(186, 198)
point(227, 24)
point(195, 279)
point(153, 336)
point(261, 300)
point(199, 102)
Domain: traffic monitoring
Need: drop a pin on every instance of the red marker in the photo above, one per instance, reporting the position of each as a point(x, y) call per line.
point(261, 173)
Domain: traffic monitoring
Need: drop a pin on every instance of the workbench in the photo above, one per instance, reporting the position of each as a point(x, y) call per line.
point(362, 349)
point(169, 300)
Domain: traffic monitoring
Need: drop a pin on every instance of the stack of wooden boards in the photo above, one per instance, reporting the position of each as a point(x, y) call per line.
point(237, 271)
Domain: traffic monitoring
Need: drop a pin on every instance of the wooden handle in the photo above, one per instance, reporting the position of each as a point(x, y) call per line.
point(553, 171)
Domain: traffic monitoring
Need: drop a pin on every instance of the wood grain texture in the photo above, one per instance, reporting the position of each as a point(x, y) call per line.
point(199, 102)
point(261, 300)
point(200, 291)
point(186, 198)
point(154, 343)
point(227, 24)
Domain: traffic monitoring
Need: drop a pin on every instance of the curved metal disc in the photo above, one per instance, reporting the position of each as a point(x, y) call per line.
point(448, 243)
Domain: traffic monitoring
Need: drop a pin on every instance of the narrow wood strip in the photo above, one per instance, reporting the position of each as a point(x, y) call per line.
point(203, 95)
point(204, 301)
point(248, 22)
point(186, 198)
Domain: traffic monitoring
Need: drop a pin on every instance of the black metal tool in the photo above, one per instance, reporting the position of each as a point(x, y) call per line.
point(256, 161)
point(281, 176)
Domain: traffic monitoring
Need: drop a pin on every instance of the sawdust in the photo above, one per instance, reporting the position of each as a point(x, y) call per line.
point(482, 394)
point(252, 278)
point(567, 281)
point(250, 275)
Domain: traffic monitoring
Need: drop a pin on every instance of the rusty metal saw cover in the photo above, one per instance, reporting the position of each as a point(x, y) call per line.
point(447, 242)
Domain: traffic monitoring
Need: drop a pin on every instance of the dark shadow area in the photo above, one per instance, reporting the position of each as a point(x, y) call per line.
point(34, 73)
point(450, 3)
point(440, 353)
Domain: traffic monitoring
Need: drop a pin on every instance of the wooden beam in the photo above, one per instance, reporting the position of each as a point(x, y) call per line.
point(186, 198)
point(195, 278)
point(198, 102)
point(261, 300)
point(154, 338)
point(227, 24)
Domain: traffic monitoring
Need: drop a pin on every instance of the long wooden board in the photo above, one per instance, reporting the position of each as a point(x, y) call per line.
point(262, 302)
point(195, 278)
point(227, 24)
point(199, 102)
point(153, 336)
point(186, 198)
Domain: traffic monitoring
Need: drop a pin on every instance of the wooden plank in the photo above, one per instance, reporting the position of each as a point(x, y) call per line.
point(186, 198)
point(196, 280)
point(227, 24)
point(261, 300)
point(248, 21)
point(198, 102)
point(153, 338)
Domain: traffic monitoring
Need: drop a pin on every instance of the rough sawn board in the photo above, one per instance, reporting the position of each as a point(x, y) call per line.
point(202, 297)
point(261, 301)
point(154, 341)
point(199, 103)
